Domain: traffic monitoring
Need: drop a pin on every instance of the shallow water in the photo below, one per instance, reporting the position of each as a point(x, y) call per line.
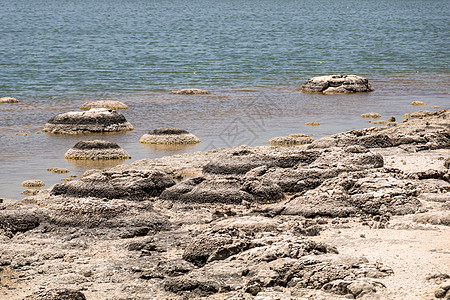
point(253, 56)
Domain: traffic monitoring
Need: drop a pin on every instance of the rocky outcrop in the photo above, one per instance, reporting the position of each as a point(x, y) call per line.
point(190, 92)
point(169, 136)
point(96, 149)
point(337, 84)
point(133, 185)
point(96, 120)
point(108, 104)
point(33, 183)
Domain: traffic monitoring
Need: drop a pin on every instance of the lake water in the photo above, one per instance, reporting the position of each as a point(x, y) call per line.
point(252, 55)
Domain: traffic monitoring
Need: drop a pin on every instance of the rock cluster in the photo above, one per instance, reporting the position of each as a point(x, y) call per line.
point(96, 120)
point(240, 223)
point(96, 149)
point(337, 84)
point(292, 139)
point(169, 136)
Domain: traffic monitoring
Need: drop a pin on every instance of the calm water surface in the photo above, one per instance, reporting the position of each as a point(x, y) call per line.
point(252, 55)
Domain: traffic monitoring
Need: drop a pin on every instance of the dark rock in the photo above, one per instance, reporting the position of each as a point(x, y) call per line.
point(132, 185)
point(13, 221)
point(94, 120)
point(59, 294)
point(97, 149)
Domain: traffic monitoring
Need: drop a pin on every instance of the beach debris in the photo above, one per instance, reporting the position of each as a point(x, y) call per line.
point(292, 139)
point(33, 183)
point(109, 104)
point(169, 136)
point(190, 92)
point(96, 149)
point(337, 84)
point(8, 100)
point(94, 120)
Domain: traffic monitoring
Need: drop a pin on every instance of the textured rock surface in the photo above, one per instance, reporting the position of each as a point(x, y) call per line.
point(33, 183)
point(335, 84)
point(267, 222)
point(292, 139)
point(109, 104)
point(96, 149)
point(169, 136)
point(94, 120)
point(190, 92)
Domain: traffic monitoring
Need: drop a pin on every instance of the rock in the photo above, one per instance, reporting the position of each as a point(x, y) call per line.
point(417, 103)
point(447, 163)
point(95, 120)
point(132, 185)
point(169, 136)
point(336, 84)
point(34, 183)
point(312, 124)
point(381, 122)
point(14, 221)
point(96, 149)
point(434, 218)
point(58, 170)
point(8, 100)
point(58, 294)
point(190, 92)
point(108, 104)
point(391, 119)
point(435, 106)
point(371, 115)
point(292, 139)
point(419, 114)
point(30, 192)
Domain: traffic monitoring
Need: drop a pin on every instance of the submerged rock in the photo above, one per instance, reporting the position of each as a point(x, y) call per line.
point(190, 92)
point(169, 136)
point(58, 170)
point(292, 139)
point(418, 103)
point(371, 115)
point(109, 104)
point(33, 183)
point(337, 84)
point(97, 149)
point(8, 100)
point(93, 121)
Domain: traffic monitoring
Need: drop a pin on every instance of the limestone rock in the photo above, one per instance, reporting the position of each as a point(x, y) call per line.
point(337, 84)
point(96, 149)
point(109, 104)
point(169, 136)
point(95, 120)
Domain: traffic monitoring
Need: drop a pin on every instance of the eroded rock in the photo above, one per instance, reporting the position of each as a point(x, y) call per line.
point(96, 149)
point(336, 84)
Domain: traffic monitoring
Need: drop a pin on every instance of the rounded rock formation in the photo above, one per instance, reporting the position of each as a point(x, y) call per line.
point(337, 84)
point(34, 183)
point(96, 149)
point(96, 120)
point(292, 139)
point(109, 104)
point(190, 92)
point(8, 100)
point(371, 115)
point(169, 136)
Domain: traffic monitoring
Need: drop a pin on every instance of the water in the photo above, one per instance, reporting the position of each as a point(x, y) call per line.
point(252, 55)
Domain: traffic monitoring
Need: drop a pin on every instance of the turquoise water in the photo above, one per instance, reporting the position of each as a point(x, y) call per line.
point(252, 55)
